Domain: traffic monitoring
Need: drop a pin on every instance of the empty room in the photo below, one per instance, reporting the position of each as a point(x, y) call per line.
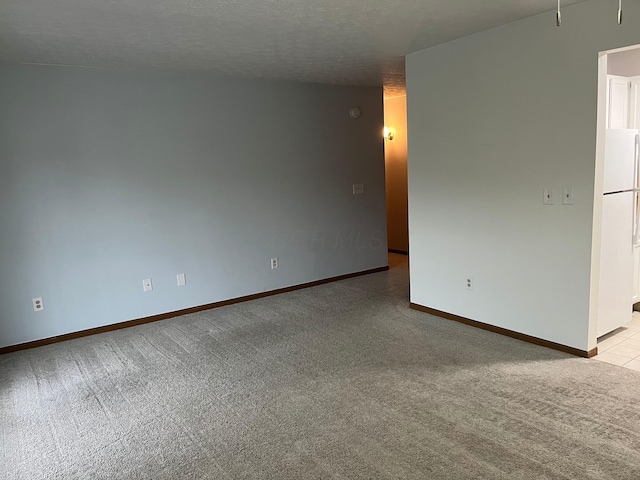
point(281, 239)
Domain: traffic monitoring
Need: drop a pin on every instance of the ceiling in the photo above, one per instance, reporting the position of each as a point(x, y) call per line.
point(346, 42)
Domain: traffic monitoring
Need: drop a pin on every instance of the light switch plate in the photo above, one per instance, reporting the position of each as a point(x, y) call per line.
point(358, 188)
point(567, 196)
point(547, 196)
point(147, 286)
point(182, 279)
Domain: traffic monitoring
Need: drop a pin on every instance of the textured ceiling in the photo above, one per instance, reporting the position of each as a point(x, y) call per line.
point(348, 42)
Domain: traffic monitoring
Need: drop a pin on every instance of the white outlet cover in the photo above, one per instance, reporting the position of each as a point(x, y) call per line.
point(567, 196)
point(182, 280)
point(468, 282)
point(147, 285)
point(274, 263)
point(38, 304)
point(358, 188)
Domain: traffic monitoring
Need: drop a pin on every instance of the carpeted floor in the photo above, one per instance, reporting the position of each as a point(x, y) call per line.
point(338, 381)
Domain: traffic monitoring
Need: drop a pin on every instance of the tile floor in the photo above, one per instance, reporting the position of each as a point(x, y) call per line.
point(622, 346)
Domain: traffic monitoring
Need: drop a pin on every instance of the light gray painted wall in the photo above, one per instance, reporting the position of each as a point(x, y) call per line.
point(108, 178)
point(493, 119)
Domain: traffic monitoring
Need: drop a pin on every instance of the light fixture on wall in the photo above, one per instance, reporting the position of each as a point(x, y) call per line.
point(388, 134)
point(559, 15)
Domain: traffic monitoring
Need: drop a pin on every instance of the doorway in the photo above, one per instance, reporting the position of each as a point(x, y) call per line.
point(616, 238)
point(395, 156)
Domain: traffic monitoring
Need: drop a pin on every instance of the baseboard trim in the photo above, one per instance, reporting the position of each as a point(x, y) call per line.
point(507, 332)
point(177, 313)
point(400, 252)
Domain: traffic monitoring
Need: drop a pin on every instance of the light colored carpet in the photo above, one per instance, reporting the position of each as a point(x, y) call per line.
point(338, 381)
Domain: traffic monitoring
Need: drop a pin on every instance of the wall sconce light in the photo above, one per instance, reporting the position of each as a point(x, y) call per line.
point(388, 134)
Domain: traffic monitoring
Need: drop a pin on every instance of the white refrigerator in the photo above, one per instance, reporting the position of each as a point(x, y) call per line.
point(619, 228)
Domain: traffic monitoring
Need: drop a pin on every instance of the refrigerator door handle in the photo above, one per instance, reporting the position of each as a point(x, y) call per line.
point(633, 220)
point(636, 163)
point(636, 196)
point(636, 219)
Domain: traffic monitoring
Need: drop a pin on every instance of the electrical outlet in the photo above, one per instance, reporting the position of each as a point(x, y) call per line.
point(468, 282)
point(274, 263)
point(358, 188)
point(147, 286)
point(38, 304)
point(182, 280)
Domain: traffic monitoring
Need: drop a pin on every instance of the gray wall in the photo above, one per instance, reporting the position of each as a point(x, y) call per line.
point(107, 178)
point(493, 119)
